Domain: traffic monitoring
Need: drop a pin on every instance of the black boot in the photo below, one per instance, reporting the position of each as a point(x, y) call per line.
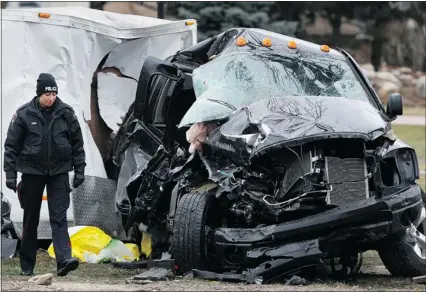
point(26, 273)
point(67, 266)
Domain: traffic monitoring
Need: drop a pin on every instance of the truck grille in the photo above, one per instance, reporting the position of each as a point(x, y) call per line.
point(348, 179)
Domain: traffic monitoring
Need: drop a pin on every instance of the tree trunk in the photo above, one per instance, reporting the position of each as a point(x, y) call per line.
point(97, 4)
point(160, 9)
point(336, 22)
point(376, 45)
point(376, 52)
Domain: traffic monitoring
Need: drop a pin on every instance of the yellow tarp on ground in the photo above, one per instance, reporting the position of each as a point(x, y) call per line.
point(134, 249)
point(91, 244)
point(85, 239)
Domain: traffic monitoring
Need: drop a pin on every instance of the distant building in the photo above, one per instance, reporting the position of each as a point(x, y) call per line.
point(37, 4)
point(150, 9)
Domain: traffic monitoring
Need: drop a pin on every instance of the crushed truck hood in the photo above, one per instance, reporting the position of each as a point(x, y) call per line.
point(288, 121)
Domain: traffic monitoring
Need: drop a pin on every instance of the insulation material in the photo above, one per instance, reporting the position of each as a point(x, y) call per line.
point(115, 95)
point(196, 135)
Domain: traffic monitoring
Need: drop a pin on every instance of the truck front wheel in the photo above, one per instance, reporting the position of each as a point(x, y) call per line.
point(196, 215)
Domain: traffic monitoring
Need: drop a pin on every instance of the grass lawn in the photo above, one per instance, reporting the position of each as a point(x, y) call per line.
point(415, 111)
point(422, 182)
point(105, 273)
point(415, 136)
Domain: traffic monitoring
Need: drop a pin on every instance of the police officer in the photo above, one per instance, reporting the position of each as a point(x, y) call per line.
point(44, 143)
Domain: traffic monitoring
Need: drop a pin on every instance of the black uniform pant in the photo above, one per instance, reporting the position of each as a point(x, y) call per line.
point(58, 200)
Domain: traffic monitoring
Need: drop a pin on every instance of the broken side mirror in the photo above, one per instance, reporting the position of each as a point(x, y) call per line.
point(394, 105)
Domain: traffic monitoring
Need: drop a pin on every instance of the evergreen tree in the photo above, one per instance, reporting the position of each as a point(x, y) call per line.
point(216, 17)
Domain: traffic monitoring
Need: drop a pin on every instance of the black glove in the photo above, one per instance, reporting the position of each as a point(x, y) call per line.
point(78, 180)
point(11, 184)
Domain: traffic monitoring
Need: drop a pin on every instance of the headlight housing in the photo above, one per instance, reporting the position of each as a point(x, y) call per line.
point(399, 169)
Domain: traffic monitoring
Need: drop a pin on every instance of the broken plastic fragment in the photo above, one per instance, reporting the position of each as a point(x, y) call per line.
point(166, 256)
point(296, 280)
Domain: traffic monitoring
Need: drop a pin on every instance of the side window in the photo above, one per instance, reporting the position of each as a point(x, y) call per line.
point(154, 96)
point(180, 104)
point(154, 74)
point(162, 102)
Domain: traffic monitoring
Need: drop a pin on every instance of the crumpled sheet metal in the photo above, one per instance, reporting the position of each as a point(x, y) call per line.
point(321, 222)
point(277, 123)
point(134, 163)
point(146, 264)
point(246, 235)
point(288, 95)
point(277, 262)
point(288, 249)
point(244, 277)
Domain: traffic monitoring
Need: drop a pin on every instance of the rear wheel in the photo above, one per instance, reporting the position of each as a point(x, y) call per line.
point(196, 216)
point(405, 255)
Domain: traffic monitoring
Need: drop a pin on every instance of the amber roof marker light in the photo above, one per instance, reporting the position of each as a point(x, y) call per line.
point(266, 42)
point(190, 22)
point(292, 44)
point(325, 48)
point(44, 15)
point(241, 41)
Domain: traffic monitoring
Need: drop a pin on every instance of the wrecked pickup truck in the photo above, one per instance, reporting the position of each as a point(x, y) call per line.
point(253, 154)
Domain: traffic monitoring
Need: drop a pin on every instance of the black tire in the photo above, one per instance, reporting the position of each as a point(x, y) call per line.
point(398, 255)
point(194, 212)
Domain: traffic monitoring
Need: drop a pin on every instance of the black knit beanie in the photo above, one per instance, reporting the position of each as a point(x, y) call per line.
point(46, 83)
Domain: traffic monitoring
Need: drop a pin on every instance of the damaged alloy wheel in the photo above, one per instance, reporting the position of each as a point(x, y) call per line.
point(196, 214)
point(405, 255)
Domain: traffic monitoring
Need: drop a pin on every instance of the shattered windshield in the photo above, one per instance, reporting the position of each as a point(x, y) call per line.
point(240, 78)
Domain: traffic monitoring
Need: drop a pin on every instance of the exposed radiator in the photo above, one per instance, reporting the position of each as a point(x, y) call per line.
point(339, 172)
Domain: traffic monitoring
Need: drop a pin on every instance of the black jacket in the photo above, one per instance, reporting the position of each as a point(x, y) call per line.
point(43, 145)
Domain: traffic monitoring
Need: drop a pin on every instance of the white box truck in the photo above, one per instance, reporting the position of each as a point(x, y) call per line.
point(72, 44)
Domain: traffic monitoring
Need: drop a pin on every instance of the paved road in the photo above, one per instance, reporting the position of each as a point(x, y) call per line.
point(410, 120)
